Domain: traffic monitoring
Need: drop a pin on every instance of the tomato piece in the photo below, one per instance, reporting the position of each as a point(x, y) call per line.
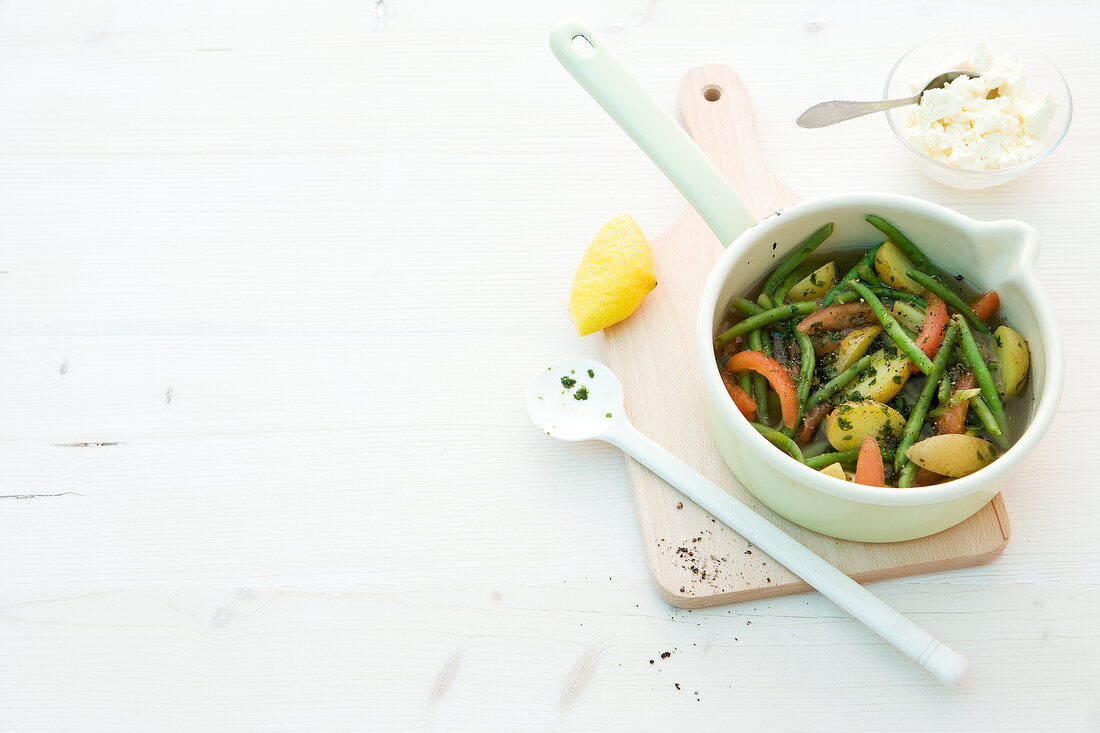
point(869, 468)
point(985, 306)
point(810, 422)
point(838, 318)
point(778, 377)
point(931, 330)
point(744, 401)
point(953, 421)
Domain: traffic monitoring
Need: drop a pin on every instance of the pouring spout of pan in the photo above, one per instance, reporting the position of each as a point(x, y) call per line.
point(1013, 247)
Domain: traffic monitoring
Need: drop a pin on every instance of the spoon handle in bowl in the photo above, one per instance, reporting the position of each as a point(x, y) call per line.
point(948, 666)
point(830, 113)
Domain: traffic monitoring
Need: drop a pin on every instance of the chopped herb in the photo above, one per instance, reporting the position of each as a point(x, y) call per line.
point(844, 423)
point(591, 373)
point(608, 415)
point(581, 394)
point(567, 382)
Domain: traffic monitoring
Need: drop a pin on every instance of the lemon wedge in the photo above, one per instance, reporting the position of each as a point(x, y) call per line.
point(615, 275)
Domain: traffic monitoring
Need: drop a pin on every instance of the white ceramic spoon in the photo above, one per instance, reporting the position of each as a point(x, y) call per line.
point(557, 410)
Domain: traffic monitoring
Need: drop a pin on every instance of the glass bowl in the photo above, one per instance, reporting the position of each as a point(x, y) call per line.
point(929, 59)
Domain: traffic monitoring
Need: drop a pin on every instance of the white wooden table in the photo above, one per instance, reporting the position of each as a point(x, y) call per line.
point(275, 275)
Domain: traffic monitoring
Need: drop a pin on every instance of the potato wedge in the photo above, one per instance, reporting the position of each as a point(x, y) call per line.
point(908, 315)
point(955, 455)
point(835, 470)
point(814, 285)
point(891, 264)
point(848, 423)
point(884, 377)
point(853, 347)
point(1011, 351)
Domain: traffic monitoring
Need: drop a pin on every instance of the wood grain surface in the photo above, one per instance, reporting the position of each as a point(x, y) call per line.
point(274, 277)
point(696, 562)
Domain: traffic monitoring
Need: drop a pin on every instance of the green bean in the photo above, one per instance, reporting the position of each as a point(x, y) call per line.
point(838, 382)
point(780, 441)
point(747, 307)
point(787, 284)
point(885, 292)
point(977, 365)
point(828, 459)
point(949, 297)
point(819, 462)
point(867, 275)
point(931, 385)
point(890, 325)
point(842, 284)
point(797, 257)
point(944, 395)
point(905, 478)
point(904, 243)
point(985, 417)
point(768, 317)
point(766, 339)
point(759, 383)
point(764, 303)
point(805, 377)
point(746, 380)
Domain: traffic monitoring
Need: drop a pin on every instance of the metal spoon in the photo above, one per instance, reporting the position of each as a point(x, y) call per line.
point(568, 404)
point(830, 113)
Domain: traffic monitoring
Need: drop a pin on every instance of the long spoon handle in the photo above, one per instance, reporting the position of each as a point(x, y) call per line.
point(948, 666)
point(830, 113)
point(659, 136)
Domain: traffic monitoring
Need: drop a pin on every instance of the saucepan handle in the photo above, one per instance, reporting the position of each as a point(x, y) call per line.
point(603, 76)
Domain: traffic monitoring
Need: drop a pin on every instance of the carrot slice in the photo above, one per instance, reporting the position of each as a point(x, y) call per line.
point(744, 401)
point(778, 377)
point(869, 468)
point(931, 330)
point(838, 318)
point(985, 306)
point(953, 421)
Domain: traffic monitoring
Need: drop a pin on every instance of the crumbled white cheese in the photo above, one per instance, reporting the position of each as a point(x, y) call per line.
point(959, 125)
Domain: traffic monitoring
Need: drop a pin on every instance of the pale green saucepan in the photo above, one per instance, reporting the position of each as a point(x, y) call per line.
point(999, 255)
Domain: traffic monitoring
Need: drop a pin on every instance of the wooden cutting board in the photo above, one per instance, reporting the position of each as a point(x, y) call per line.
point(694, 560)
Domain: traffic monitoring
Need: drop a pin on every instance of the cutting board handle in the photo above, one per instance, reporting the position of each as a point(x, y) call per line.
point(602, 75)
point(718, 112)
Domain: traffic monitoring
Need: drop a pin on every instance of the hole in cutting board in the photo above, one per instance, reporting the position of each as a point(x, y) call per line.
point(712, 93)
point(583, 46)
